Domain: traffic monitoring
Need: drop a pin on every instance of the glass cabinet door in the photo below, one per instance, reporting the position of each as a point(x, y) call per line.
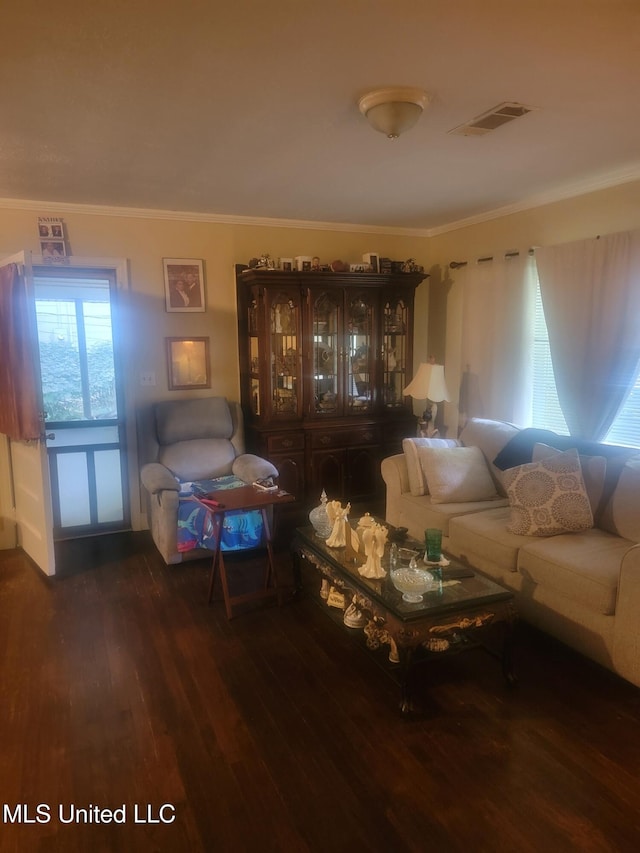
point(254, 357)
point(284, 333)
point(394, 352)
point(327, 353)
point(360, 356)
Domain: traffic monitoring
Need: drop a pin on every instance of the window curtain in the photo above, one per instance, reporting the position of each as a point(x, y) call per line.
point(19, 417)
point(497, 339)
point(591, 298)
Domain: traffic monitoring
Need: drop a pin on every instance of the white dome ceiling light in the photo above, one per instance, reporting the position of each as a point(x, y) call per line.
point(394, 109)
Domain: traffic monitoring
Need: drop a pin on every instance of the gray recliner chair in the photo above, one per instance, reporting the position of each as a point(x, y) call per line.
point(191, 440)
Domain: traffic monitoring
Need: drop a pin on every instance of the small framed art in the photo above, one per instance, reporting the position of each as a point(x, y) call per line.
point(183, 284)
point(188, 363)
point(50, 228)
point(52, 249)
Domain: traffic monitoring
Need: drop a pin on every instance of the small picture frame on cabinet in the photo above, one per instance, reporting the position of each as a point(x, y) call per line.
point(286, 264)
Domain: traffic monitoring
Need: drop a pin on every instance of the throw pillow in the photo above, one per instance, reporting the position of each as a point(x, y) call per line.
point(548, 497)
point(456, 474)
point(417, 482)
point(594, 470)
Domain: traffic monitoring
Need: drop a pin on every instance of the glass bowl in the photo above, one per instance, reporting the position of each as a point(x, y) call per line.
point(405, 555)
point(412, 582)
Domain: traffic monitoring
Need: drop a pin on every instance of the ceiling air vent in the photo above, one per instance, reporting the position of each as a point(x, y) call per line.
point(485, 123)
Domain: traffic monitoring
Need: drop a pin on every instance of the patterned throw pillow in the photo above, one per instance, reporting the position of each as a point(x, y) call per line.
point(548, 497)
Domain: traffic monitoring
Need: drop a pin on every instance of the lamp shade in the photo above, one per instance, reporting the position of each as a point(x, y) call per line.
point(428, 384)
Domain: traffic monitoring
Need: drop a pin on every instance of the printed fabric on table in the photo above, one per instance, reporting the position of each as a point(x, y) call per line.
point(196, 528)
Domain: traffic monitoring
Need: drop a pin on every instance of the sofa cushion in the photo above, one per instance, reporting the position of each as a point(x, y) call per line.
point(594, 469)
point(417, 481)
point(490, 436)
point(548, 497)
point(456, 474)
point(485, 534)
point(200, 459)
point(584, 569)
point(418, 513)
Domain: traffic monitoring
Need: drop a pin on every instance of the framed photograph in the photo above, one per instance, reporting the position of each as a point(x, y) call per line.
point(183, 284)
point(188, 363)
point(52, 249)
point(50, 228)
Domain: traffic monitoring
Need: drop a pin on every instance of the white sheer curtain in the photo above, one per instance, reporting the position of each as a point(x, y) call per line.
point(591, 297)
point(497, 339)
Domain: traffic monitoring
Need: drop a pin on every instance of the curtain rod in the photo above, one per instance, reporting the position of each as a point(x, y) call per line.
point(455, 265)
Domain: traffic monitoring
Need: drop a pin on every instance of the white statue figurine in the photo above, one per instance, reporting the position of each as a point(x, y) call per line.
point(374, 537)
point(338, 517)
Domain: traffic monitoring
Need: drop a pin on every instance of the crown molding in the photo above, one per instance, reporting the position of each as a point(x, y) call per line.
point(624, 175)
point(611, 179)
point(214, 218)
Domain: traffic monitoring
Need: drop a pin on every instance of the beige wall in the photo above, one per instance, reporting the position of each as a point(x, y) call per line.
point(603, 212)
point(144, 242)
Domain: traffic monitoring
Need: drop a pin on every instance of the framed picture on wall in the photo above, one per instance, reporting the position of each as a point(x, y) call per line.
point(188, 363)
point(183, 284)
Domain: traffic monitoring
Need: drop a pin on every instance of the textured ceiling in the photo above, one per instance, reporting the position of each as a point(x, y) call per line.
point(249, 109)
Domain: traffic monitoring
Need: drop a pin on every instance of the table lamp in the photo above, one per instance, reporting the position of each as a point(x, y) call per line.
point(428, 384)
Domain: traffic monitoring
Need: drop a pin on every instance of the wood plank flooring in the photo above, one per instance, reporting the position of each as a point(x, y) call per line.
point(120, 686)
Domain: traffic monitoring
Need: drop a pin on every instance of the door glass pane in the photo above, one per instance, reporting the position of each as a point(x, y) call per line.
point(254, 359)
point(59, 359)
point(76, 348)
point(109, 495)
point(394, 353)
point(284, 354)
point(325, 355)
point(73, 489)
point(100, 366)
point(359, 378)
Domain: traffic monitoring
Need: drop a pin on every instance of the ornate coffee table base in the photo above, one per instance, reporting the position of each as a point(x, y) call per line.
point(412, 642)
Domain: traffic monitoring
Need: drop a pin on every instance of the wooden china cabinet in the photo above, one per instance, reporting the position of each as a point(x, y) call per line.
point(324, 357)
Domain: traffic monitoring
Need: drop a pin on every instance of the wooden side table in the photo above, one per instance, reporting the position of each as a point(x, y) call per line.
point(245, 498)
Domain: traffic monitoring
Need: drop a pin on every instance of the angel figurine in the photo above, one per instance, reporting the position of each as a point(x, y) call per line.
point(337, 518)
point(375, 538)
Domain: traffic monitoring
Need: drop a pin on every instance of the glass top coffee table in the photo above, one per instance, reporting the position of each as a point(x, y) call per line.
point(451, 617)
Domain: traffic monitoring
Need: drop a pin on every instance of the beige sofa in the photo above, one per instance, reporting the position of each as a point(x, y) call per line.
point(582, 587)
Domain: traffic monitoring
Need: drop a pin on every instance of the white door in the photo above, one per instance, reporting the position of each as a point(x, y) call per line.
point(29, 463)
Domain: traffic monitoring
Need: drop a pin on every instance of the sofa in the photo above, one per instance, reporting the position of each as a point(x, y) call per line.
point(576, 577)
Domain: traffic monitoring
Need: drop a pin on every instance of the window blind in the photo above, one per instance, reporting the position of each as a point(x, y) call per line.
point(547, 413)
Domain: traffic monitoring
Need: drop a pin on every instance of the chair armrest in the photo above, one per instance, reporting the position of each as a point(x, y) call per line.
point(249, 468)
point(156, 478)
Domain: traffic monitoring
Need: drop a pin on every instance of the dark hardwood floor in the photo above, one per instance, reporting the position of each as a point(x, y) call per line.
point(275, 732)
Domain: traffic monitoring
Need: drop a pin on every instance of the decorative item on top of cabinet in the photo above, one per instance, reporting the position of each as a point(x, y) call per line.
point(324, 357)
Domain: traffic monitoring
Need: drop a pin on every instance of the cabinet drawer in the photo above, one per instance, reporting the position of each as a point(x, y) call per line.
point(345, 438)
point(285, 442)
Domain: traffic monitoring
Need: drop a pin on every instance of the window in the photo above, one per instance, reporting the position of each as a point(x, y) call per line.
point(76, 349)
point(547, 413)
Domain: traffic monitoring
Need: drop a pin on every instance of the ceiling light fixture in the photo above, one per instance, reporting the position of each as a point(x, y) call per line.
point(394, 109)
